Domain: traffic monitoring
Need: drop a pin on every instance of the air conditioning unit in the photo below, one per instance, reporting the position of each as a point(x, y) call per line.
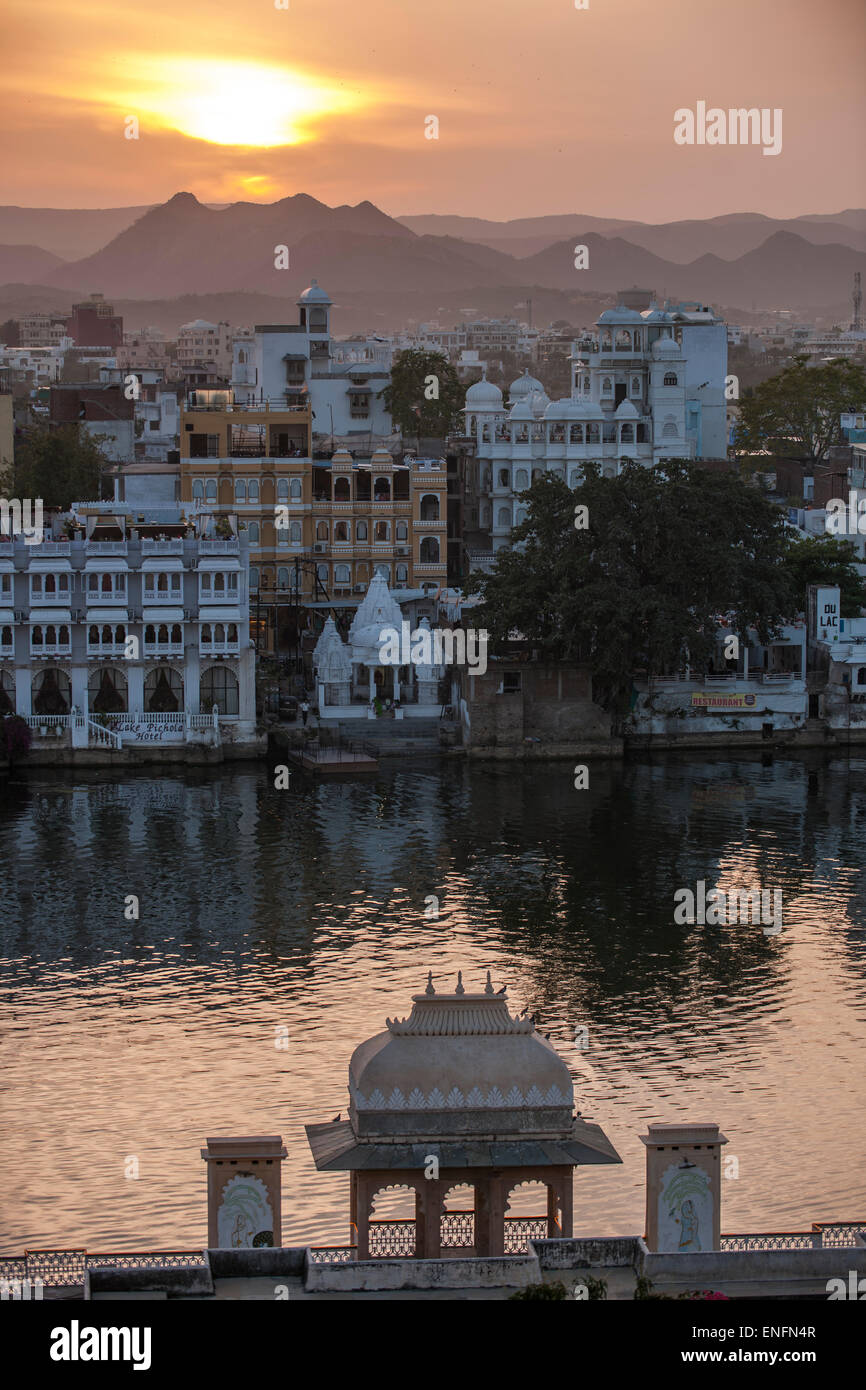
point(20, 615)
point(402, 550)
point(189, 616)
point(359, 589)
point(320, 547)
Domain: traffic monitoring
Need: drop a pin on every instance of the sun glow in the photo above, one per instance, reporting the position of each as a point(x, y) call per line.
point(245, 104)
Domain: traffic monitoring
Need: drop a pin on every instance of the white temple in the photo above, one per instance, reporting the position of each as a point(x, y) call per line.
point(351, 676)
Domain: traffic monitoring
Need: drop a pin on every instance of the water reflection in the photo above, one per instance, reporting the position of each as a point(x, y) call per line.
point(304, 909)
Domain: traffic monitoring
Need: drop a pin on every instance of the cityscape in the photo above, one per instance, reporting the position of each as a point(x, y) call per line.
point(433, 670)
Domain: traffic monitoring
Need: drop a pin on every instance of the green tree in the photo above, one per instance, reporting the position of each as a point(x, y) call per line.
point(796, 413)
point(641, 586)
point(424, 395)
point(61, 466)
point(826, 560)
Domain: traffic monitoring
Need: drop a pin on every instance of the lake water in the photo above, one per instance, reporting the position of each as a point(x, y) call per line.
point(303, 910)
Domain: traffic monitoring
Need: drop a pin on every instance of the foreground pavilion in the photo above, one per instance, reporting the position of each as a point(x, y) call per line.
point(459, 1093)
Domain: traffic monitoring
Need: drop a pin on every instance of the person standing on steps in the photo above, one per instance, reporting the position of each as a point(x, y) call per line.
point(305, 710)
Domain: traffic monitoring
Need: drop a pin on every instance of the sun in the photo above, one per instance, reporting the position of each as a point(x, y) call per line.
point(235, 103)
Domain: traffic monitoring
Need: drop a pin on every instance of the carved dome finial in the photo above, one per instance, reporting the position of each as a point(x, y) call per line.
point(488, 988)
point(459, 989)
point(429, 989)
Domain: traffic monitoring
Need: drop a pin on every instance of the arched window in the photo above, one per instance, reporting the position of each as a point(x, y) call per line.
point(322, 574)
point(253, 490)
point(430, 550)
point(401, 530)
point(342, 574)
point(50, 584)
point(163, 691)
point(282, 578)
point(382, 531)
point(198, 490)
point(295, 489)
point(210, 490)
point(242, 357)
point(295, 533)
point(671, 379)
point(206, 633)
point(402, 574)
point(321, 530)
point(254, 578)
point(430, 507)
point(93, 636)
point(361, 532)
point(627, 434)
point(341, 490)
point(382, 490)
point(177, 635)
point(576, 434)
point(282, 489)
point(521, 479)
point(254, 533)
point(7, 693)
point(623, 338)
point(607, 386)
point(341, 531)
point(503, 477)
point(106, 691)
point(635, 385)
point(503, 516)
point(669, 431)
point(240, 490)
point(51, 691)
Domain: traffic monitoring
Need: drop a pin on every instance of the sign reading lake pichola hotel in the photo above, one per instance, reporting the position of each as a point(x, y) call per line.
point(705, 699)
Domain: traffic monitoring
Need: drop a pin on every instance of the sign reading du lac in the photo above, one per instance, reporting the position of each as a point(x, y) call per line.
point(824, 613)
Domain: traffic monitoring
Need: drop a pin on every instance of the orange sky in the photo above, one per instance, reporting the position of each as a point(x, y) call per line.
point(542, 108)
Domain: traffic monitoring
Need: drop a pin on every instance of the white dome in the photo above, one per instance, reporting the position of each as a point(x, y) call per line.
point(314, 294)
point(666, 347)
point(538, 401)
point(521, 411)
point(620, 315)
point(483, 394)
point(523, 386)
point(626, 411)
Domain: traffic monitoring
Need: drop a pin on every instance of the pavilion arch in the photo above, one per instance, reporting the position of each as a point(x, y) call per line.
point(623, 338)
point(51, 691)
point(7, 693)
point(163, 690)
point(430, 506)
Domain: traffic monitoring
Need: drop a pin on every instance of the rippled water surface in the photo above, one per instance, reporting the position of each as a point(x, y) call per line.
point(303, 910)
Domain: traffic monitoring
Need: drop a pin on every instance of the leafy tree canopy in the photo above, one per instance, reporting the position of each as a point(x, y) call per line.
point(796, 413)
point(664, 552)
point(826, 560)
point(424, 395)
point(61, 466)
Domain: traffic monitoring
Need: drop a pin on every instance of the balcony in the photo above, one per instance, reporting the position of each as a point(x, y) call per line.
point(57, 598)
point(105, 548)
point(55, 648)
point(169, 547)
point(218, 547)
point(150, 649)
point(52, 548)
point(106, 649)
point(163, 596)
point(106, 598)
point(219, 648)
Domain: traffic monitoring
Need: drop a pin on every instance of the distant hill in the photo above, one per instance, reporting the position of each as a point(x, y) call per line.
point(731, 235)
point(69, 232)
point(26, 263)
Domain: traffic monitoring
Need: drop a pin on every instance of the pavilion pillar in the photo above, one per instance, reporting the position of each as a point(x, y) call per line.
point(428, 1221)
point(490, 1216)
point(567, 1203)
point(552, 1208)
point(353, 1207)
point(362, 1215)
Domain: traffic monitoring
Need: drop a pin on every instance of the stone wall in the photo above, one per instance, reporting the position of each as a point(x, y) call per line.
point(520, 709)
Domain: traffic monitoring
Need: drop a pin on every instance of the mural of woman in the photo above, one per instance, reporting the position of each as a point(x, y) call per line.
point(689, 1238)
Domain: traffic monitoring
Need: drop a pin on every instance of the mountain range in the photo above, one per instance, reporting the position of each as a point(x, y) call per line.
point(184, 247)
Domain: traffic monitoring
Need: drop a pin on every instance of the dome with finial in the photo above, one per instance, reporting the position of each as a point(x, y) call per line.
point(483, 394)
point(459, 1065)
point(314, 294)
point(524, 385)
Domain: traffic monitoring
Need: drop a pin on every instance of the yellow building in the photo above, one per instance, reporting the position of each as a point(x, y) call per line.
point(318, 528)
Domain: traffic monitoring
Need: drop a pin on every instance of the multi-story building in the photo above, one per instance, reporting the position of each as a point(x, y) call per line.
point(93, 323)
point(205, 349)
point(127, 635)
point(301, 363)
point(649, 386)
point(103, 410)
point(318, 525)
point(42, 330)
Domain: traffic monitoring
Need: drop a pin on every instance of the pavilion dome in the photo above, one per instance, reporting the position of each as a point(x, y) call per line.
point(626, 411)
point(331, 658)
point(666, 347)
point(521, 411)
point(377, 610)
point(620, 315)
point(459, 1065)
point(483, 394)
point(524, 385)
point(538, 401)
point(314, 294)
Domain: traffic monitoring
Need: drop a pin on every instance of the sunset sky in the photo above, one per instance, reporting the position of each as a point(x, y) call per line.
point(542, 108)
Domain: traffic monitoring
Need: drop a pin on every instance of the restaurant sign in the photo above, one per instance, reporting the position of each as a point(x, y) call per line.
point(705, 699)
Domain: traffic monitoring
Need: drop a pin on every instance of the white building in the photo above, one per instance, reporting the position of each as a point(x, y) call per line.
point(649, 386)
point(140, 640)
point(288, 363)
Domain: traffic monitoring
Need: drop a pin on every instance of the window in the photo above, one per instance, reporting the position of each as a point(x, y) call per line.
point(282, 578)
point(402, 530)
point(254, 578)
point(341, 531)
point(402, 574)
point(521, 479)
point(322, 574)
point(361, 531)
point(342, 574)
point(282, 489)
point(382, 531)
point(321, 530)
point(295, 533)
point(240, 490)
point(671, 379)
point(511, 682)
point(635, 385)
point(210, 490)
point(295, 489)
point(430, 550)
point(429, 507)
point(253, 490)
point(254, 533)
point(198, 490)
point(503, 517)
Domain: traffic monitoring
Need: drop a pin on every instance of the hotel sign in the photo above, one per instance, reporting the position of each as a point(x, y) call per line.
point(163, 731)
point(705, 699)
